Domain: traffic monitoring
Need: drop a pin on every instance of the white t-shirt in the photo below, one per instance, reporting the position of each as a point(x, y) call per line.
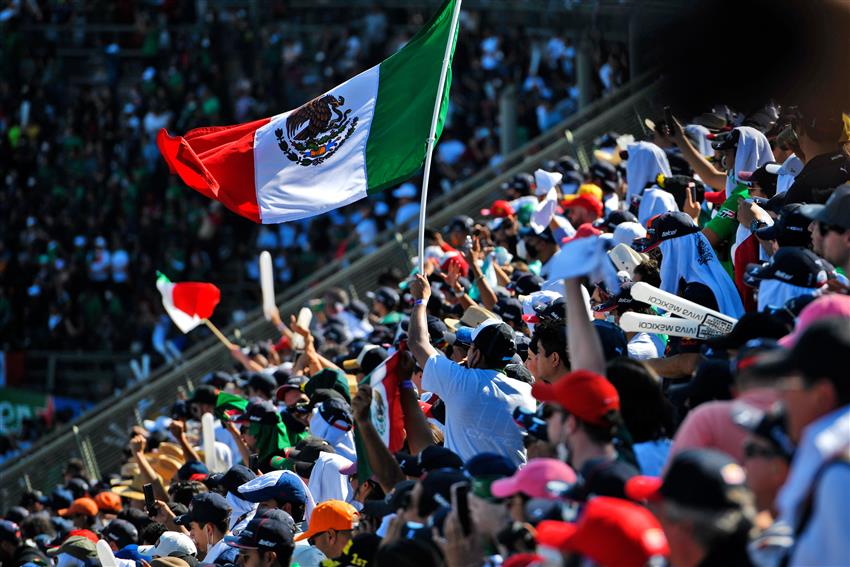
point(643, 346)
point(479, 408)
point(216, 550)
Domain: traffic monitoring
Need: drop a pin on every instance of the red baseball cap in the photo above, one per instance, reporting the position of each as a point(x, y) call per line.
point(586, 395)
point(583, 231)
point(611, 532)
point(500, 208)
point(585, 201)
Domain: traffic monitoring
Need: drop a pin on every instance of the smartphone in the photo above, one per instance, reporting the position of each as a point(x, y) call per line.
point(669, 120)
point(150, 501)
point(460, 495)
point(254, 462)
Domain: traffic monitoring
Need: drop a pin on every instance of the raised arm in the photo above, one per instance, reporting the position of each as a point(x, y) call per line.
point(415, 423)
point(583, 342)
point(418, 340)
point(383, 464)
point(701, 166)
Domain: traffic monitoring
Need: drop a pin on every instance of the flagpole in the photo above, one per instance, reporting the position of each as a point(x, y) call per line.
point(219, 335)
point(432, 135)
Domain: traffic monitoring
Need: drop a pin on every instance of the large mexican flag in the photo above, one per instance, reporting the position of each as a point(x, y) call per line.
point(363, 136)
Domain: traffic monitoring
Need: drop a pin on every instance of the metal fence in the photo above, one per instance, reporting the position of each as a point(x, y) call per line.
point(100, 437)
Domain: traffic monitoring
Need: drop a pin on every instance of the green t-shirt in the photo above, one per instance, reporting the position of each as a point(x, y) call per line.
point(725, 222)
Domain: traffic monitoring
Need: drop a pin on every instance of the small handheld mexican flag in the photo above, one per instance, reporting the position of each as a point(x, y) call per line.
point(187, 303)
point(362, 136)
point(386, 412)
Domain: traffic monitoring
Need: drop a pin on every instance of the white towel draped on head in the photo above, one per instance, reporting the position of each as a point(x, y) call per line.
point(654, 202)
point(646, 161)
point(692, 259)
point(326, 480)
point(775, 293)
point(753, 152)
point(241, 511)
point(341, 441)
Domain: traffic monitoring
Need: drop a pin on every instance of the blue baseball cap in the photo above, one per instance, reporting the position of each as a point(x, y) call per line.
point(282, 486)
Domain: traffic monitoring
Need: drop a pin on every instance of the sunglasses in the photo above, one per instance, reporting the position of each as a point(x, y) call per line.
point(827, 228)
point(753, 451)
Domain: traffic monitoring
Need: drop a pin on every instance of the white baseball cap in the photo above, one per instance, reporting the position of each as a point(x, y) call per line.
point(170, 543)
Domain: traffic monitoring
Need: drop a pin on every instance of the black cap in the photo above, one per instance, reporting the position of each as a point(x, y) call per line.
point(204, 394)
point(751, 326)
point(726, 140)
point(121, 532)
point(309, 448)
point(790, 229)
point(522, 183)
point(616, 218)
point(835, 212)
point(621, 300)
point(337, 413)
point(409, 464)
point(554, 310)
point(546, 234)
point(522, 343)
point(328, 378)
point(770, 426)
point(525, 283)
point(10, 532)
point(820, 352)
point(206, 508)
point(436, 489)
point(386, 295)
point(437, 330)
point(749, 353)
point(266, 532)
point(462, 223)
point(720, 479)
point(614, 343)
point(665, 226)
point(294, 382)
point(78, 487)
point(435, 457)
point(509, 309)
point(260, 411)
point(519, 372)
point(495, 341)
point(218, 379)
point(765, 176)
point(372, 359)
point(262, 382)
point(391, 502)
point(793, 265)
point(236, 476)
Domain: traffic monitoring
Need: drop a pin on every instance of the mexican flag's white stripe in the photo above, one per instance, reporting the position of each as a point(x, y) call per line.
point(296, 191)
point(362, 136)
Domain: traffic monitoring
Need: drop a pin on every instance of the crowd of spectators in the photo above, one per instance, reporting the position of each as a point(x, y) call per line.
point(89, 211)
point(643, 363)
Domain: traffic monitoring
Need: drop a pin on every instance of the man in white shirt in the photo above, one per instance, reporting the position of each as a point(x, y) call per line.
point(479, 397)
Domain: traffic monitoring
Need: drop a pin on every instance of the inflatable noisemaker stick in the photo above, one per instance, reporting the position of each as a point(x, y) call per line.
point(267, 284)
point(672, 326)
point(709, 318)
point(208, 441)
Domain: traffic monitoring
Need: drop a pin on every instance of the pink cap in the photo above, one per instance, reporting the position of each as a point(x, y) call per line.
point(833, 305)
point(532, 479)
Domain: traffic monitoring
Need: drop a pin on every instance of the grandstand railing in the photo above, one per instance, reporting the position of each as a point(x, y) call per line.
point(100, 437)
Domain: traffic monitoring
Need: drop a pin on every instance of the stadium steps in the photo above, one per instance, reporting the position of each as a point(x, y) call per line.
point(101, 435)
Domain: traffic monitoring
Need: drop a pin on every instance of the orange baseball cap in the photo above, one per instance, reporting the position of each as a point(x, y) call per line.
point(330, 515)
point(80, 507)
point(107, 501)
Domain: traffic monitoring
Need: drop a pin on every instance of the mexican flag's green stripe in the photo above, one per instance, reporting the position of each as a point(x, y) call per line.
point(407, 87)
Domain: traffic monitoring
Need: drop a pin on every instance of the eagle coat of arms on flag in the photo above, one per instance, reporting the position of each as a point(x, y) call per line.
point(316, 130)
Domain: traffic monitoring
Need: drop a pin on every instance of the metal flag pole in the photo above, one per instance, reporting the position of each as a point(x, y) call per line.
point(432, 134)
